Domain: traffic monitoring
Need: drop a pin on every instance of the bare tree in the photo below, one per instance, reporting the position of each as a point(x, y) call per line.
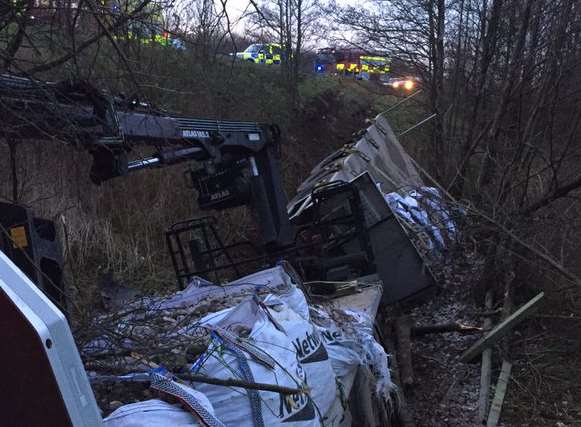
point(502, 77)
point(290, 23)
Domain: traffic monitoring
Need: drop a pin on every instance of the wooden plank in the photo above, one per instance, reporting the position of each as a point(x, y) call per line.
point(501, 386)
point(404, 353)
point(486, 367)
point(502, 328)
point(367, 300)
point(404, 411)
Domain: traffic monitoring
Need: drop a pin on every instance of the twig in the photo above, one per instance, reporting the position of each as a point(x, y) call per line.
point(445, 327)
point(511, 235)
point(230, 382)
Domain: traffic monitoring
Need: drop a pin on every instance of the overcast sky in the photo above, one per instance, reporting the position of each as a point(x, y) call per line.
point(237, 8)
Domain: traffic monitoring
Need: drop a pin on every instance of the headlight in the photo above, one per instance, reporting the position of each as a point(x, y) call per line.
point(396, 84)
point(409, 85)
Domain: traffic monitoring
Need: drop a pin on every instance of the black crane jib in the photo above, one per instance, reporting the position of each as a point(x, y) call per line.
point(239, 160)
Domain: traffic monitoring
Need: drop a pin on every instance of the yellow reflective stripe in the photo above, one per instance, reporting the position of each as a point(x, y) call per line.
point(164, 41)
point(248, 56)
point(374, 58)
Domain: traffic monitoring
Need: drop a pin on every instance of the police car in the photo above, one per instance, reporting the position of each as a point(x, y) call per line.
point(262, 53)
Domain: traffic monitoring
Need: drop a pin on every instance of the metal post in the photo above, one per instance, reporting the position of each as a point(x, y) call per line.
point(397, 104)
point(427, 119)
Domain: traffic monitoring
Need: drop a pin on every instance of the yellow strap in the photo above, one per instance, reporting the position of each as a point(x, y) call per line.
point(18, 236)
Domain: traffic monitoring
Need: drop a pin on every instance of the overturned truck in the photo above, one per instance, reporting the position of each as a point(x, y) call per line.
point(294, 343)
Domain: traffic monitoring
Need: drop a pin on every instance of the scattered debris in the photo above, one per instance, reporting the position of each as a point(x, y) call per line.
point(447, 394)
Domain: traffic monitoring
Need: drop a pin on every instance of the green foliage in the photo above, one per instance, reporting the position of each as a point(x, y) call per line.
point(314, 85)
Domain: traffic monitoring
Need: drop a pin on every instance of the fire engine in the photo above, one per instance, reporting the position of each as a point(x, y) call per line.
point(348, 61)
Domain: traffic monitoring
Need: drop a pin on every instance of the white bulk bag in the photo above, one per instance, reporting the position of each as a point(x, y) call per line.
point(154, 413)
point(310, 351)
point(250, 324)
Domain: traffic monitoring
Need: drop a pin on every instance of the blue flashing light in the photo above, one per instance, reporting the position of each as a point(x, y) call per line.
point(319, 68)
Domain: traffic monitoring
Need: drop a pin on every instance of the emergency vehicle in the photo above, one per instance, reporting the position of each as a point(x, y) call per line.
point(262, 53)
point(402, 83)
point(150, 34)
point(347, 61)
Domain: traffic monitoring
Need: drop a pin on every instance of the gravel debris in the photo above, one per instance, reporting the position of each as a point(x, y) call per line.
point(446, 391)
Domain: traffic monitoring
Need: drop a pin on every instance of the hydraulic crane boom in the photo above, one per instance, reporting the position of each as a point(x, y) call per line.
point(239, 160)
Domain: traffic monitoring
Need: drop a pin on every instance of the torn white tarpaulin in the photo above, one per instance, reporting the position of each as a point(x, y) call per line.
point(351, 346)
point(344, 350)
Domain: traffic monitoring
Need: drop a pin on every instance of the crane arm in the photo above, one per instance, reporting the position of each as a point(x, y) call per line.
point(240, 162)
